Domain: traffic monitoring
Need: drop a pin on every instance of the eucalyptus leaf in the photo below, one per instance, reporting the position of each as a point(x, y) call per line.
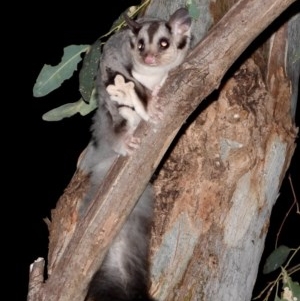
point(51, 77)
point(89, 70)
point(70, 109)
point(293, 286)
point(276, 259)
point(193, 9)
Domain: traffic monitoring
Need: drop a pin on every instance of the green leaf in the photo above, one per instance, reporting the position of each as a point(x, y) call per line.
point(70, 109)
point(294, 287)
point(276, 259)
point(89, 70)
point(193, 9)
point(277, 298)
point(51, 77)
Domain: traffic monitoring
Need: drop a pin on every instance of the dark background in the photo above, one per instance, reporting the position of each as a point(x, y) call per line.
point(49, 150)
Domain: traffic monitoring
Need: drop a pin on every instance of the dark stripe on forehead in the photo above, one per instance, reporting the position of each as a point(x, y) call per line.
point(169, 28)
point(152, 29)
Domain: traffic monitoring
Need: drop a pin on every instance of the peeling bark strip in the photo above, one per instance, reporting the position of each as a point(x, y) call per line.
point(74, 264)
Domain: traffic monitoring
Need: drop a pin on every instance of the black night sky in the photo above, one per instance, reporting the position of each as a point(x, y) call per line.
point(49, 150)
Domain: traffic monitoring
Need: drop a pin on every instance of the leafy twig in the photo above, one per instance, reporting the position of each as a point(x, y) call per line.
point(122, 23)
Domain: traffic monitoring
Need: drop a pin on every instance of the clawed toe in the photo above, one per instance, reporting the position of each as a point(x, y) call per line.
point(131, 143)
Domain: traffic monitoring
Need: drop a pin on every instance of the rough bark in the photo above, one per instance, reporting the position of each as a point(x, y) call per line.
point(219, 185)
point(215, 190)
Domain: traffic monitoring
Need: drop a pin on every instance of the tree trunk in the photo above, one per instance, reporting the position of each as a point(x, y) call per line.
point(218, 181)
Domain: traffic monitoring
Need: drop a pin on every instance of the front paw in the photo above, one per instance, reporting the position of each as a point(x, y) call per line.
point(131, 143)
point(121, 91)
point(127, 144)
